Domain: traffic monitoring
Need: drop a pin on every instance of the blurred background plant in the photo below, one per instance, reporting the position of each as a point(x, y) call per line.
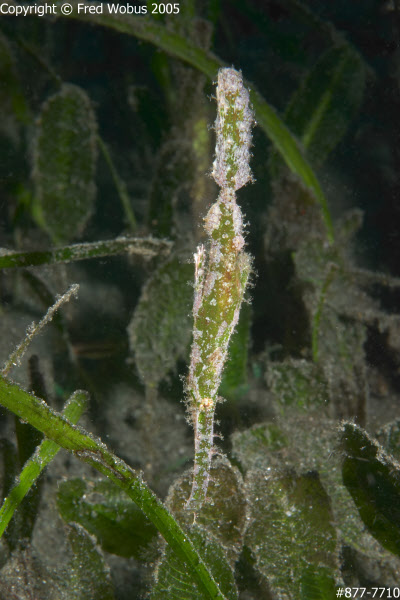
point(104, 136)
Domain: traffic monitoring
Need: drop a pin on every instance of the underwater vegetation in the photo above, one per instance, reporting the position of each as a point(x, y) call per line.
point(200, 335)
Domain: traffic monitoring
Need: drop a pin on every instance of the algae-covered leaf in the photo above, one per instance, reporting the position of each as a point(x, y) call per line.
point(174, 582)
point(88, 574)
point(338, 310)
point(373, 480)
point(291, 534)
point(317, 584)
point(223, 515)
point(297, 382)
point(253, 447)
point(119, 526)
point(170, 184)
point(303, 442)
point(160, 330)
point(64, 163)
point(320, 111)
